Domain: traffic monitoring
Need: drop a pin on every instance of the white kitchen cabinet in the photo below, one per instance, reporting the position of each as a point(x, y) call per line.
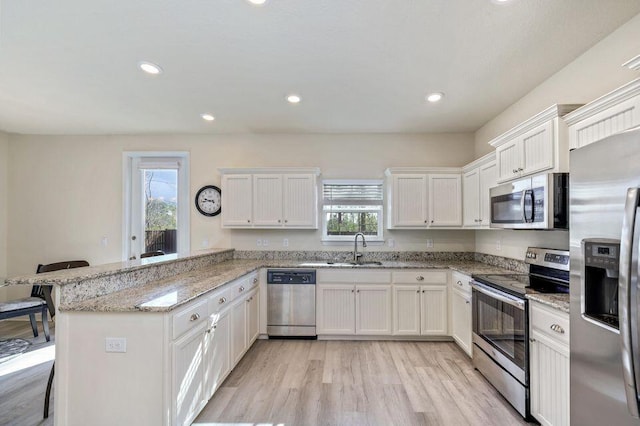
point(549, 365)
point(423, 197)
point(612, 113)
point(488, 179)
point(279, 198)
point(188, 372)
point(445, 200)
point(216, 353)
point(477, 180)
point(471, 198)
point(420, 304)
point(373, 309)
point(253, 316)
point(336, 309)
point(237, 200)
point(461, 327)
point(238, 329)
point(536, 145)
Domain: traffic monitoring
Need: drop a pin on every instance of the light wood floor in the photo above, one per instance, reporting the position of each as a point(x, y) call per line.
point(298, 382)
point(304, 382)
point(22, 389)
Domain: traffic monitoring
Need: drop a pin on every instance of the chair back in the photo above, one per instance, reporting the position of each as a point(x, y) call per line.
point(38, 290)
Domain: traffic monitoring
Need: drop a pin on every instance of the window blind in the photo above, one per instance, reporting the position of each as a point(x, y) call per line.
point(348, 194)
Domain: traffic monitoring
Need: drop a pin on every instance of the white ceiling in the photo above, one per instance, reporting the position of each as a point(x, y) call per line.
point(70, 66)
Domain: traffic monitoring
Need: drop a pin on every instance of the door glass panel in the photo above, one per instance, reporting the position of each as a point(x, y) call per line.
point(160, 210)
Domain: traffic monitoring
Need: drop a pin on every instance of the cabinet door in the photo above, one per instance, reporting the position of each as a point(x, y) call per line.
point(445, 200)
point(217, 356)
point(549, 380)
point(537, 149)
point(434, 310)
point(236, 200)
point(188, 375)
point(471, 198)
point(267, 200)
point(488, 174)
point(461, 319)
point(508, 159)
point(336, 309)
point(252, 317)
point(300, 201)
point(373, 309)
point(409, 201)
point(238, 330)
point(406, 310)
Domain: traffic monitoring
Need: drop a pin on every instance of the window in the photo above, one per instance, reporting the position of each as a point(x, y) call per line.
point(350, 207)
point(156, 204)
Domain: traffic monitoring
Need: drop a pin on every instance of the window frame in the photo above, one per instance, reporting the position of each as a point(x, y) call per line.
point(380, 210)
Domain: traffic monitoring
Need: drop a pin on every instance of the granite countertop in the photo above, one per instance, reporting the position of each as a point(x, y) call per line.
point(167, 294)
point(559, 301)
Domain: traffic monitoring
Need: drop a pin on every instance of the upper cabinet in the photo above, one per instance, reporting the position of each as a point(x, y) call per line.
point(536, 145)
point(270, 198)
point(424, 197)
point(612, 113)
point(478, 177)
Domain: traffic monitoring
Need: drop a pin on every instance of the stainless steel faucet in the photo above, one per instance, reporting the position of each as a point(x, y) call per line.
point(357, 255)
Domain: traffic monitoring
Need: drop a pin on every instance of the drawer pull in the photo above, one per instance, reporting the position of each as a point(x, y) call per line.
point(255, 280)
point(557, 328)
point(459, 283)
point(194, 317)
point(222, 300)
point(418, 291)
point(467, 302)
point(532, 340)
point(241, 289)
point(420, 278)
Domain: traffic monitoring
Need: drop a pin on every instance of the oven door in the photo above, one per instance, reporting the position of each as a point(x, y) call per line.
point(500, 328)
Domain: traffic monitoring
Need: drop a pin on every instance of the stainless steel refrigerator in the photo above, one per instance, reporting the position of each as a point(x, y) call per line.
point(604, 230)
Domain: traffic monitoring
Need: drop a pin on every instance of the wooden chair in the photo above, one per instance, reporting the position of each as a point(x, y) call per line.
point(31, 306)
point(152, 254)
point(52, 310)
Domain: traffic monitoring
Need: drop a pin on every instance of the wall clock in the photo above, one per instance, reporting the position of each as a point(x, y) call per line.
point(209, 200)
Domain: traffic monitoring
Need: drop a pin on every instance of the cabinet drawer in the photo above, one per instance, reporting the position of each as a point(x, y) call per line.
point(550, 322)
point(364, 276)
point(420, 277)
point(461, 281)
point(189, 317)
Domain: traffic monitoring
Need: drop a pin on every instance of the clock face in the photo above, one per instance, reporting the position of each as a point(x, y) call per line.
point(209, 201)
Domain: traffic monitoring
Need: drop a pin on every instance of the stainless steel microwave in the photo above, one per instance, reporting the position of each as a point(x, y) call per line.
point(535, 202)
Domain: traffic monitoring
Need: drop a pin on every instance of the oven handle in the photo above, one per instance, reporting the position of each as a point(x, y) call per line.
point(498, 295)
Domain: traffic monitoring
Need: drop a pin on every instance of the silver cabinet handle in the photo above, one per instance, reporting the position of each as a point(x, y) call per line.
point(425, 221)
point(459, 283)
point(418, 291)
point(467, 302)
point(286, 221)
point(241, 289)
point(520, 169)
point(222, 300)
point(557, 328)
point(515, 170)
point(278, 220)
point(255, 280)
point(248, 220)
point(419, 278)
point(532, 340)
point(194, 317)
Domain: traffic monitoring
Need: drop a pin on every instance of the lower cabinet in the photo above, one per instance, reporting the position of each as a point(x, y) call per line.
point(373, 309)
point(549, 365)
point(188, 370)
point(420, 309)
point(238, 329)
point(216, 352)
point(461, 327)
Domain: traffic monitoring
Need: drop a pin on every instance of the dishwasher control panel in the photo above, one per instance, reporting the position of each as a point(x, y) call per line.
point(291, 276)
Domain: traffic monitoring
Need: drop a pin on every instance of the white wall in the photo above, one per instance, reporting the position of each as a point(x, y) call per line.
point(68, 191)
point(4, 188)
point(593, 74)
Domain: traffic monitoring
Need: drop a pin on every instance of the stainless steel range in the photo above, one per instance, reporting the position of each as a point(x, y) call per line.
point(501, 321)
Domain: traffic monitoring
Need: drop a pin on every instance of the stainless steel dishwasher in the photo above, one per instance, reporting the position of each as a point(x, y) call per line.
point(291, 301)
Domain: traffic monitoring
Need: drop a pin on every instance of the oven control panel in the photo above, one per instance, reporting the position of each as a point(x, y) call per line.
point(551, 258)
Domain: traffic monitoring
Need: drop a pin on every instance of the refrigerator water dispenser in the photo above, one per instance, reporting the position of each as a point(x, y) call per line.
point(601, 265)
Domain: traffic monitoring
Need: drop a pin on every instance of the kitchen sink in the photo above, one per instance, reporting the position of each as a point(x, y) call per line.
point(344, 264)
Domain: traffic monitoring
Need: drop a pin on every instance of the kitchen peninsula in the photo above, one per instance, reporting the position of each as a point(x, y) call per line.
point(173, 328)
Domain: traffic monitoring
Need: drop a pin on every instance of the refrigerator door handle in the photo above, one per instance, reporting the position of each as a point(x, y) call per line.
point(628, 257)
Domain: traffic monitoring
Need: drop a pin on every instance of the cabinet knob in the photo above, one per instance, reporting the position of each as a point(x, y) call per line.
point(557, 328)
point(357, 291)
point(520, 169)
point(248, 300)
point(278, 220)
point(467, 302)
point(255, 280)
point(418, 291)
point(194, 317)
point(241, 289)
point(286, 221)
point(431, 220)
point(514, 171)
point(351, 290)
point(419, 278)
point(425, 221)
point(423, 291)
point(222, 300)
point(215, 326)
point(248, 220)
point(532, 340)
point(459, 283)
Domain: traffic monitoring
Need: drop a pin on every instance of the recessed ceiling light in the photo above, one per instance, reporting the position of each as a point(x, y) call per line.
point(150, 68)
point(435, 97)
point(294, 99)
point(257, 2)
point(207, 117)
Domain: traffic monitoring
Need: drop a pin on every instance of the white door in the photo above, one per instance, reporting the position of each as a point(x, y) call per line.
point(267, 200)
point(434, 310)
point(488, 179)
point(217, 357)
point(406, 310)
point(237, 200)
point(537, 148)
point(461, 319)
point(238, 329)
point(373, 309)
point(188, 375)
point(445, 200)
point(300, 201)
point(471, 198)
point(549, 381)
point(336, 309)
point(509, 160)
point(253, 317)
point(409, 200)
point(156, 204)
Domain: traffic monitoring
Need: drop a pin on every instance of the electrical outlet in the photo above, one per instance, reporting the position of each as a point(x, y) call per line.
point(265, 243)
point(499, 244)
point(115, 344)
point(104, 241)
point(285, 242)
point(391, 242)
point(258, 242)
point(429, 243)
